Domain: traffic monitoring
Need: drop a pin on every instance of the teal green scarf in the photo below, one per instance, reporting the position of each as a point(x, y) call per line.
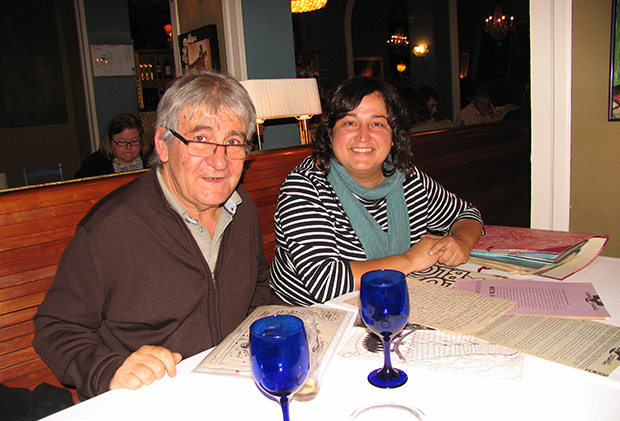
point(375, 241)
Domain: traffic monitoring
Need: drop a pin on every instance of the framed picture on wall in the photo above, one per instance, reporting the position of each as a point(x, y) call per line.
point(368, 66)
point(199, 49)
point(614, 72)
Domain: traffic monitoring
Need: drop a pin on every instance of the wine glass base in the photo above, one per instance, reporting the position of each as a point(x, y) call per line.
point(388, 383)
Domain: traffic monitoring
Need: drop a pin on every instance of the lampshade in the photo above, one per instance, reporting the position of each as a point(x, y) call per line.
point(282, 98)
point(301, 6)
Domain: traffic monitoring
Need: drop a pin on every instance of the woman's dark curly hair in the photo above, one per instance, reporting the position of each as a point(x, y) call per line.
point(346, 98)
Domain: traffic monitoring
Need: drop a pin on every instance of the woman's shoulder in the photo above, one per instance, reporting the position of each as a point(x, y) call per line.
point(306, 180)
point(307, 165)
point(306, 170)
point(418, 179)
point(95, 164)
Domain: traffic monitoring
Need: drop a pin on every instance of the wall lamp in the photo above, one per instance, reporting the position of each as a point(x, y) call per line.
point(420, 50)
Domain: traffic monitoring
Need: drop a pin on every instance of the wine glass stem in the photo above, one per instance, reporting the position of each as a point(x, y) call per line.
point(284, 405)
point(387, 359)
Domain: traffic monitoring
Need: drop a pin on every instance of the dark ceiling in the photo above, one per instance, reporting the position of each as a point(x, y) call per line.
point(147, 21)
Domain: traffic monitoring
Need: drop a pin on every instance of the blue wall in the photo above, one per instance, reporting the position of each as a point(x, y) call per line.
point(269, 46)
point(270, 54)
point(108, 23)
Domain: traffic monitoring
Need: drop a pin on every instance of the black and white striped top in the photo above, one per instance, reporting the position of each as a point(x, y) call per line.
point(315, 239)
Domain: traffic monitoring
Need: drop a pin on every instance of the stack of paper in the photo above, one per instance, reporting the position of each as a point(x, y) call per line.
point(580, 343)
point(554, 254)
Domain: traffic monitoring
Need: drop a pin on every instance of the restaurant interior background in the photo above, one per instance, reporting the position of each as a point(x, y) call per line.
point(52, 69)
point(316, 45)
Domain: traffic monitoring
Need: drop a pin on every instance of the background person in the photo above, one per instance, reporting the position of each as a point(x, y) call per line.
point(359, 203)
point(431, 98)
point(479, 110)
point(419, 113)
point(121, 149)
point(506, 96)
point(165, 266)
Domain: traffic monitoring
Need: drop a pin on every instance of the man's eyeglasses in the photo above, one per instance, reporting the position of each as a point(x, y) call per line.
point(124, 143)
point(207, 149)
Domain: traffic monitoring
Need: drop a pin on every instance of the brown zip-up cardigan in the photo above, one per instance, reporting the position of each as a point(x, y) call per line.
point(133, 275)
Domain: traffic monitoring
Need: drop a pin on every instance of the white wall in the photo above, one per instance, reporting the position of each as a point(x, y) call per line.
point(550, 38)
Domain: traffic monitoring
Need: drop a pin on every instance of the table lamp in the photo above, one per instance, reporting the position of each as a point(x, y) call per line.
point(283, 98)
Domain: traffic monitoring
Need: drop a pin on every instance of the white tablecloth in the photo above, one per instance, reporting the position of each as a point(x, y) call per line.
point(545, 391)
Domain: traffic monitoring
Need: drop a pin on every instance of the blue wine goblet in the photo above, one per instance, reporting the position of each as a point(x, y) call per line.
point(385, 310)
point(279, 356)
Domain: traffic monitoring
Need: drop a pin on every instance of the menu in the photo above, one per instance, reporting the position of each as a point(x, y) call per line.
point(232, 355)
point(584, 344)
point(539, 298)
point(452, 310)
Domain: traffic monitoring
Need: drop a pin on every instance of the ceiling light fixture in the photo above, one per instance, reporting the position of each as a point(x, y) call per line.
point(499, 25)
point(302, 6)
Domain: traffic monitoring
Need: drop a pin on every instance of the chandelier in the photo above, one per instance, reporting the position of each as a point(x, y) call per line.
point(398, 40)
point(301, 6)
point(499, 25)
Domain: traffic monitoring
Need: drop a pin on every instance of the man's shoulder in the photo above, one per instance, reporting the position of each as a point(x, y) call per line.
point(246, 197)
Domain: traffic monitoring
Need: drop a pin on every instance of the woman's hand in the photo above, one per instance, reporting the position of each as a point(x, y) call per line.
point(417, 258)
point(147, 364)
point(454, 249)
point(449, 250)
point(421, 256)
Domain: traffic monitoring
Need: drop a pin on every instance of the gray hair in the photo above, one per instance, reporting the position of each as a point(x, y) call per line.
point(203, 91)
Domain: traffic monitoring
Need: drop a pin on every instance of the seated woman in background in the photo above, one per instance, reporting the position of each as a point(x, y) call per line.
point(358, 203)
point(121, 149)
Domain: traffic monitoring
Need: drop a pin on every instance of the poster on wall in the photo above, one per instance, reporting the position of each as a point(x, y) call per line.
point(199, 49)
point(368, 66)
point(614, 72)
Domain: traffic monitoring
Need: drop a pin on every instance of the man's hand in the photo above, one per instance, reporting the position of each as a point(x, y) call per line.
point(147, 364)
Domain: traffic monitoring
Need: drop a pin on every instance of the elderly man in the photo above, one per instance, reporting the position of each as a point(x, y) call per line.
point(168, 265)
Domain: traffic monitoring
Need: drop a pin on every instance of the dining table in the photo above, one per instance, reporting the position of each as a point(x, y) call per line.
point(544, 390)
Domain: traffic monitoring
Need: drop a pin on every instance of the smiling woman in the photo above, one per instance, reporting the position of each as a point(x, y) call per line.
point(359, 203)
point(362, 141)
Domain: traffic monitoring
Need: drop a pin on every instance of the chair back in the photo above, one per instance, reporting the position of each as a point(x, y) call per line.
point(42, 173)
